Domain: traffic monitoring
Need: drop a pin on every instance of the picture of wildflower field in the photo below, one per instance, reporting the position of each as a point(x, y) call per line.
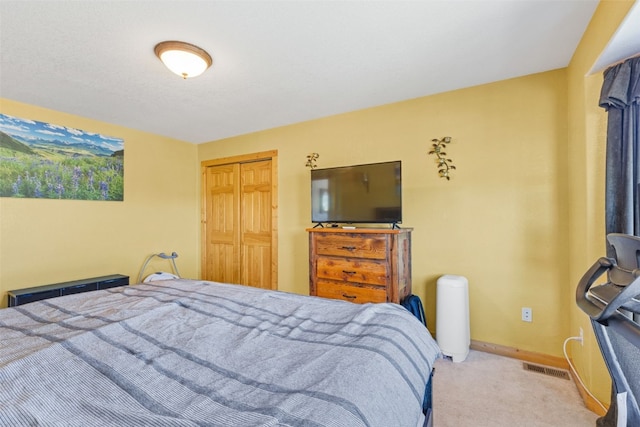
point(43, 160)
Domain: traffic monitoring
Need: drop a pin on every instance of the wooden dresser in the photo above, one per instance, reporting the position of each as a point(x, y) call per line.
point(360, 265)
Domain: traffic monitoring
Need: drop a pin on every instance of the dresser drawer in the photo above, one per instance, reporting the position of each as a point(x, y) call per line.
point(352, 245)
point(353, 293)
point(352, 270)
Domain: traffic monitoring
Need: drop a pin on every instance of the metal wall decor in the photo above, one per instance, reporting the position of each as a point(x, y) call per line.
point(311, 160)
point(444, 164)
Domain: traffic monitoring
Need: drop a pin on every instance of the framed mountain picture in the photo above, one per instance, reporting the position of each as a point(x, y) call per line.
point(48, 161)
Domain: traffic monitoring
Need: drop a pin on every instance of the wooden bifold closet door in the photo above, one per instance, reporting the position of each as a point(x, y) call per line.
point(238, 225)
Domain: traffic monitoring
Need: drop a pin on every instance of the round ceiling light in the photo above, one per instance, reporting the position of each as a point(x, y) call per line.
point(184, 59)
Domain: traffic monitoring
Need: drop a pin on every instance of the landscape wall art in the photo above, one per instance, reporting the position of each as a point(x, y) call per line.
point(48, 161)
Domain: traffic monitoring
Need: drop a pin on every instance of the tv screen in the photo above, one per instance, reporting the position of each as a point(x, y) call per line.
point(370, 193)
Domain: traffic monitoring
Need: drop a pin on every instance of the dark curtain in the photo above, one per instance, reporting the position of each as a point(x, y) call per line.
point(620, 96)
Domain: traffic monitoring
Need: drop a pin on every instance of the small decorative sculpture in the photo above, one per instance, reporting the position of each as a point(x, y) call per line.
point(444, 164)
point(311, 160)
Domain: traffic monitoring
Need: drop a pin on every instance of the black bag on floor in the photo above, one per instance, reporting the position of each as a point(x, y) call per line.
point(414, 305)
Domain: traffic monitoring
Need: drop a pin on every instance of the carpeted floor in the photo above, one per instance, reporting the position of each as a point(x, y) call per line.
point(494, 391)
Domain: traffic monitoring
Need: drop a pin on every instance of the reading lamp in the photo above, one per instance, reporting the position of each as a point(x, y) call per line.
point(162, 255)
point(184, 59)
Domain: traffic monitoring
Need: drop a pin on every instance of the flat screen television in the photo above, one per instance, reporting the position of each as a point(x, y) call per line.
point(369, 193)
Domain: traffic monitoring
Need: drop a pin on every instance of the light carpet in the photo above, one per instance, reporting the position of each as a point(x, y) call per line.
point(487, 390)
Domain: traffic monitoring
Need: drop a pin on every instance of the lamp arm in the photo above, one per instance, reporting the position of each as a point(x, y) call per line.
point(175, 267)
point(144, 266)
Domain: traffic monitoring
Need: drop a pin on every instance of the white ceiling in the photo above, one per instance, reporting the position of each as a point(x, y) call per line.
point(275, 62)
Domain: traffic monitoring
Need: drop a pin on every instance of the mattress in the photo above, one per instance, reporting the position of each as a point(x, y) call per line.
point(195, 353)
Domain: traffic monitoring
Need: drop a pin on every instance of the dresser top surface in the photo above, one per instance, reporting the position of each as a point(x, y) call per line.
point(358, 230)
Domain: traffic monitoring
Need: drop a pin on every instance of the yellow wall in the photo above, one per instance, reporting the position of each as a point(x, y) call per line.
point(498, 220)
point(586, 175)
point(49, 241)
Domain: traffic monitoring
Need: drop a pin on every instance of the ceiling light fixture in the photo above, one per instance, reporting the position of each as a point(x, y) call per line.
point(184, 59)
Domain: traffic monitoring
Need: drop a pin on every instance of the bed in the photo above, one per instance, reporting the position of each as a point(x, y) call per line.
point(193, 353)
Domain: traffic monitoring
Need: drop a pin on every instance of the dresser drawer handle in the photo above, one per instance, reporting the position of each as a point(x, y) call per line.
point(349, 296)
point(348, 248)
point(348, 272)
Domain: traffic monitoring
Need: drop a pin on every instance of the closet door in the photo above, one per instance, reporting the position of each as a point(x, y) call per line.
point(239, 211)
point(222, 214)
point(255, 229)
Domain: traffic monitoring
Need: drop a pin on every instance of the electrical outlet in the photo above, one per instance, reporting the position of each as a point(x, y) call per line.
point(527, 315)
point(581, 337)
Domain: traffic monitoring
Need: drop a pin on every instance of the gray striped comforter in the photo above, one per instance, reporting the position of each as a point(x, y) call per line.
point(193, 353)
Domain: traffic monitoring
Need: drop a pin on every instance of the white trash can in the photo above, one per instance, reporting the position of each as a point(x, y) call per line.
point(452, 316)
